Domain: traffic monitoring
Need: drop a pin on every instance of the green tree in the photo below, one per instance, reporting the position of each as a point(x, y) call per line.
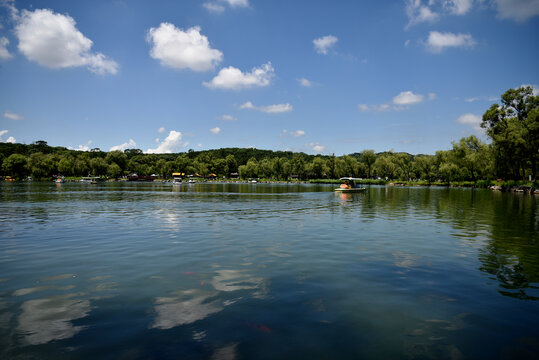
point(117, 157)
point(15, 165)
point(41, 166)
point(99, 166)
point(473, 155)
point(425, 166)
point(66, 166)
point(114, 171)
point(513, 127)
point(368, 157)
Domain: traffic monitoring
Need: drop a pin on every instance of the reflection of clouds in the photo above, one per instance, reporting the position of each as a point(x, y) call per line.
point(225, 353)
point(432, 338)
point(26, 291)
point(189, 306)
point(44, 320)
point(233, 280)
point(405, 260)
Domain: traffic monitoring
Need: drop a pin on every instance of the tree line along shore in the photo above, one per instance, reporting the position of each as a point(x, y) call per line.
point(510, 159)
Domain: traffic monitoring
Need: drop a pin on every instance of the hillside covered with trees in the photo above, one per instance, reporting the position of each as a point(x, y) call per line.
point(513, 154)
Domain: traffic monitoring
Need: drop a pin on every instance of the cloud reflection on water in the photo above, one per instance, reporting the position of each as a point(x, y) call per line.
point(47, 319)
point(188, 307)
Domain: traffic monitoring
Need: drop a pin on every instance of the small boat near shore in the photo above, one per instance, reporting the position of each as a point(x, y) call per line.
point(349, 185)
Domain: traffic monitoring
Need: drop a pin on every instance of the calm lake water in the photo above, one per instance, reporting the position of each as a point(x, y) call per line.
point(259, 271)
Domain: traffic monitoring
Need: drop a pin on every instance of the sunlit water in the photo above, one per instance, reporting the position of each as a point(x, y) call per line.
point(257, 271)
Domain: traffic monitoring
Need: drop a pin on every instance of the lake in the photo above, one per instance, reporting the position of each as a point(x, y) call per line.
point(266, 271)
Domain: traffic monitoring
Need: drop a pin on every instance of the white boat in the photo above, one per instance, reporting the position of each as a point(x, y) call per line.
point(349, 185)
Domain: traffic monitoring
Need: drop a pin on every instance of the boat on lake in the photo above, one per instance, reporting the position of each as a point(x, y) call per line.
point(349, 185)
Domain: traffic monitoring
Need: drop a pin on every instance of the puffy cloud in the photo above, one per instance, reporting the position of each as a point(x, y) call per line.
point(227, 118)
point(82, 147)
point(519, 10)
point(401, 102)
point(213, 7)
point(297, 133)
point(438, 41)
point(12, 116)
point(323, 44)
point(316, 147)
point(161, 130)
point(407, 98)
point(180, 49)
point(277, 108)
point(10, 139)
point(304, 82)
point(418, 13)
point(470, 119)
point(171, 144)
point(4, 53)
point(231, 78)
point(216, 130)
point(458, 7)
point(128, 145)
point(53, 41)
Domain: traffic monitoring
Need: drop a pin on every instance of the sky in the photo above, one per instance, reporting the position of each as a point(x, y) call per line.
point(321, 77)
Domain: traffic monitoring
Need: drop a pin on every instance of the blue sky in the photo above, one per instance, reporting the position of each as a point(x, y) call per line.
point(314, 76)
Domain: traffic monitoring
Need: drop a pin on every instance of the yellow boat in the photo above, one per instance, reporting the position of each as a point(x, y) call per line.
point(349, 185)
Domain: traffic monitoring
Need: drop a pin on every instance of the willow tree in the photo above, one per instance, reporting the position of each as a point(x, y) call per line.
point(513, 127)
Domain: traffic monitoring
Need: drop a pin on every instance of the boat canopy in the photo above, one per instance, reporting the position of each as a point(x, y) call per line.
point(350, 178)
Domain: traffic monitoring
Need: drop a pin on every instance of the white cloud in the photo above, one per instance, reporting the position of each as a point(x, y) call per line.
point(519, 10)
point(82, 147)
point(237, 3)
point(316, 147)
point(432, 96)
point(161, 130)
point(12, 116)
point(10, 139)
point(128, 145)
point(213, 7)
point(230, 78)
point(171, 144)
point(470, 119)
point(401, 102)
point(407, 98)
point(53, 41)
point(323, 44)
point(375, 107)
point(418, 13)
point(277, 108)
point(458, 7)
point(534, 87)
point(407, 42)
point(297, 133)
point(4, 53)
point(216, 130)
point(227, 118)
point(438, 41)
point(180, 49)
point(216, 6)
point(304, 82)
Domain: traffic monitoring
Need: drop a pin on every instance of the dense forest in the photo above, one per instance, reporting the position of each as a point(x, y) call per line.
point(512, 127)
